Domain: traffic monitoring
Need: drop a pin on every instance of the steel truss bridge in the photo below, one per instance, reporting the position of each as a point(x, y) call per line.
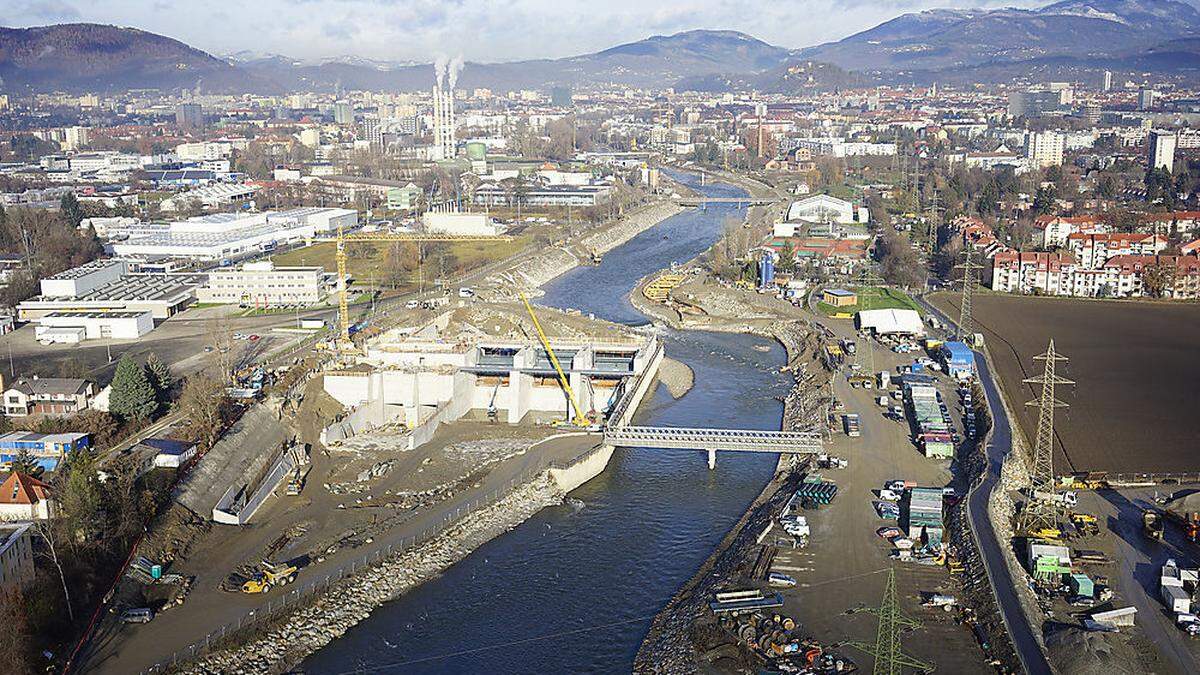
point(712, 440)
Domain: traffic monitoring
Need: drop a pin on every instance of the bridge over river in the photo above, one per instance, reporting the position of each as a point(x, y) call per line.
point(736, 201)
point(712, 440)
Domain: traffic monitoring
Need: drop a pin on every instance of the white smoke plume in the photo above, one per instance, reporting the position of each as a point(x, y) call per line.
point(440, 65)
point(453, 69)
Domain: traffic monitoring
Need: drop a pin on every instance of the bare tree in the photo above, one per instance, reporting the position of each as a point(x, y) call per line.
point(47, 530)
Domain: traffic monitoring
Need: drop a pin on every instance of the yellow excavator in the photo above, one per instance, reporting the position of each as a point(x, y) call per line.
point(579, 420)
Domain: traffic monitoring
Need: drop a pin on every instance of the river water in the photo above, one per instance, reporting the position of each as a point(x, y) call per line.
point(574, 588)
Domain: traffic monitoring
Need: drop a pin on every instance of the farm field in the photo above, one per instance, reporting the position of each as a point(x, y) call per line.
point(1137, 371)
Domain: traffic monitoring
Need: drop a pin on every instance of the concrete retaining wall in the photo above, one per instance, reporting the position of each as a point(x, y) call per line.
point(587, 468)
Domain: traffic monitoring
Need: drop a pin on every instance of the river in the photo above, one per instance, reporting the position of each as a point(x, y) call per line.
point(574, 588)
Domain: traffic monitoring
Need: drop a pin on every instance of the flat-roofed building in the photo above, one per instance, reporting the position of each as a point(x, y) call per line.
point(163, 295)
point(232, 235)
point(119, 325)
point(80, 280)
point(47, 450)
point(262, 284)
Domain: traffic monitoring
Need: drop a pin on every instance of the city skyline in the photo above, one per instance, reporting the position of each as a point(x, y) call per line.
point(417, 31)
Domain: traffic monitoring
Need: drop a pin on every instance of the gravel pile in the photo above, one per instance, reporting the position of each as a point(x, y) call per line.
point(351, 600)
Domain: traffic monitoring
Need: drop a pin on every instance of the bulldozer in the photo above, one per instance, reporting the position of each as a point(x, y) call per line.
point(269, 576)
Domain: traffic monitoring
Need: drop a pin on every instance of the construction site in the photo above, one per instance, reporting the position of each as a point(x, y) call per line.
point(859, 556)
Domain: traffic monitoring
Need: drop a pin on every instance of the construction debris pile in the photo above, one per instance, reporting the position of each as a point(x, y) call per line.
point(777, 641)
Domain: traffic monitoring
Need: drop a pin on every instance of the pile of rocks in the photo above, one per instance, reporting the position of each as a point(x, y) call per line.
point(351, 600)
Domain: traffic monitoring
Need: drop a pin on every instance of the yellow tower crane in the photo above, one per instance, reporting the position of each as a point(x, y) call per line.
point(344, 342)
point(580, 420)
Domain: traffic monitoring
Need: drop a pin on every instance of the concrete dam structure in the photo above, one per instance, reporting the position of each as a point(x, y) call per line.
point(426, 381)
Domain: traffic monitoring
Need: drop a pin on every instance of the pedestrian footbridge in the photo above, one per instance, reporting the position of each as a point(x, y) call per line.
point(738, 201)
point(712, 440)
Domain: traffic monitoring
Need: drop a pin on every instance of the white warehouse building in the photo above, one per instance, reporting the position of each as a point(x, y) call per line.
point(127, 325)
point(225, 235)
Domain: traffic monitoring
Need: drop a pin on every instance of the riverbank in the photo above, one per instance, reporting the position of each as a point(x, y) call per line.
point(684, 636)
point(551, 263)
point(351, 600)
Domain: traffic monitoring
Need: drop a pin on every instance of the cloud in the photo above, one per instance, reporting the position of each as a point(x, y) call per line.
point(481, 30)
point(44, 11)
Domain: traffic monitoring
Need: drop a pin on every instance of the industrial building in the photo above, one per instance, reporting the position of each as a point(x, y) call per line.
point(458, 222)
point(228, 235)
point(163, 295)
point(491, 194)
point(262, 284)
point(210, 196)
point(47, 450)
point(80, 280)
point(118, 325)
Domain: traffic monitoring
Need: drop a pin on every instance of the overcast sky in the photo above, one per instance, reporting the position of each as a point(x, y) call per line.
point(480, 30)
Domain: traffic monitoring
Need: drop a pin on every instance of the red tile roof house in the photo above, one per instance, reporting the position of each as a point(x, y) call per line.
point(23, 497)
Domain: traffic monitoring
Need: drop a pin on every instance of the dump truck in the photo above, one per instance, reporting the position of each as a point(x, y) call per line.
point(271, 574)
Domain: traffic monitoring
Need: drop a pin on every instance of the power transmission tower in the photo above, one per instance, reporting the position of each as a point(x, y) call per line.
point(933, 224)
point(968, 267)
point(890, 658)
point(1043, 511)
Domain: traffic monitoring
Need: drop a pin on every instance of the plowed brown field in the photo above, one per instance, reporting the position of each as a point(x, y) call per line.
point(1135, 406)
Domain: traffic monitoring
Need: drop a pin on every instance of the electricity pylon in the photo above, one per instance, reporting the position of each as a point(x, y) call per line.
point(968, 267)
point(1043, 510)
point(933, 224)
point(890, 658)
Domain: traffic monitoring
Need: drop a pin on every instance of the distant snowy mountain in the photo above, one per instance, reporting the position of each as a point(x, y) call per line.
point(947, 39)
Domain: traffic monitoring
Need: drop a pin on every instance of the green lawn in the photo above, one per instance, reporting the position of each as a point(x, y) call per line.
point(874, 297)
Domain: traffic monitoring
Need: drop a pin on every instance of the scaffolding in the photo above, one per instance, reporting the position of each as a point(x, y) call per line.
point(1044, 510)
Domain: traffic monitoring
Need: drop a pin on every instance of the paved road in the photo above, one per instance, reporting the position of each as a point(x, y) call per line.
point(1028, 649)
point(990, 547)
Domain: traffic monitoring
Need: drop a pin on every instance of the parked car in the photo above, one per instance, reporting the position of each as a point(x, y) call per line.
point(780, 580)
point(138, 615)
point(888, 495)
